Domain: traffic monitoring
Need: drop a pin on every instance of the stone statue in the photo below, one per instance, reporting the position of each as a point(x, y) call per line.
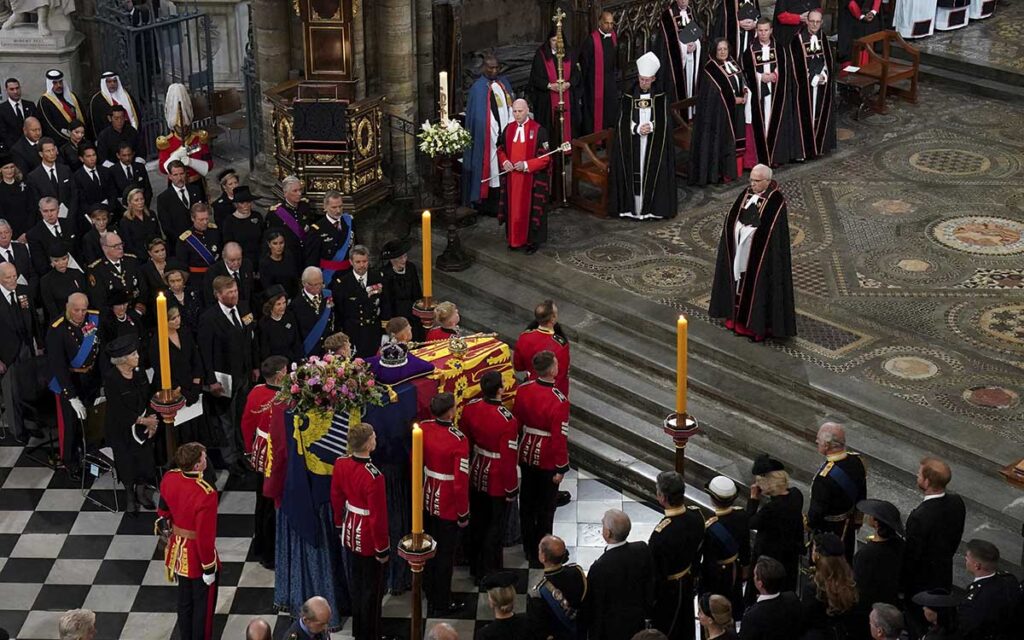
point(42, 8)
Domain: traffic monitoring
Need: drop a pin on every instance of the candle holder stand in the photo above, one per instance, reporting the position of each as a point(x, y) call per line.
point(167, 403)
point(680, 427)
point(424, 310)
point(417, 549)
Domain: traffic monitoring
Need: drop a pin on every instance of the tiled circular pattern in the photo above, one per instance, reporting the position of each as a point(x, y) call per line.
point(666, 276)
point(843, 134)
point(910, 367)
point(984, 235)
point(950, 162)
point(991, 397)
point(1004, 323)
point(911, 266)
point(915, 265)
point(887, 207)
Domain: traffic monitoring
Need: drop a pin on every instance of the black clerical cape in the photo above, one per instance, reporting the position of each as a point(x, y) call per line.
point(728, 14)
point(778, 141)
point(719, 128)
point(761, 302)
point(675, 28)
point(814, 103)
point(644, 170)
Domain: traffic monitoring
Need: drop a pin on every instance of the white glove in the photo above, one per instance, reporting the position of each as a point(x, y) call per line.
point(179, 153)
point(208, 578)
point(185, 160)
point(202, 167)
point(79, 408)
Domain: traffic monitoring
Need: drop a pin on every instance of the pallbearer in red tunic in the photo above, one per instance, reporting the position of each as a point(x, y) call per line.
point(543, 334)
point(599, 73)
point(815, 87)
point(187, 515)
point(525, 186)
point(753, 284)
point(359, 502)
point(493, 433)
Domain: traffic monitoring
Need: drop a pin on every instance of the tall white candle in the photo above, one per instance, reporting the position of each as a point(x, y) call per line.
point(443, 84)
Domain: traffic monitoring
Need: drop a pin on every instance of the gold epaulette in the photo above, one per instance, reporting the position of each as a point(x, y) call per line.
point(664, 523)
point(211, 225)
point(162, 142)
point(276, 205)
point(131, 255)
point(56, 323)
point(314, 226)
point(202, 134)
point(206, 487)
point(185, 236)
point(92, 265)
point(826, 469)
point(96, 311)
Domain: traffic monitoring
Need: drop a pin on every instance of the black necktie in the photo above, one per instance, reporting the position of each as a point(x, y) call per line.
point(7, 255)
point(184, 197)
point(53, 179)
point(128, 171)
point(56, 230)
point(237, 280)
point(95, 177)
point(234, 318)
point(21, 114)
point(18, 322)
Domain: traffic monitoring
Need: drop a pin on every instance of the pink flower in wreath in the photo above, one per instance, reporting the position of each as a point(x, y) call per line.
point(329, 358)
point(370, 382)
point(329, 384)
point(295, 388)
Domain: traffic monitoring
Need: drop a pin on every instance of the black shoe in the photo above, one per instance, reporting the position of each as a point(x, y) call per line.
point(531, 249)
point(143, 497)
point(130, 504)
point(75, 472)
point(564, 498)
point(453, 607)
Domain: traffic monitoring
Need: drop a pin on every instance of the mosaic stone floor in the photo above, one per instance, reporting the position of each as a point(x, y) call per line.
point(908, 255)
point(997, 41)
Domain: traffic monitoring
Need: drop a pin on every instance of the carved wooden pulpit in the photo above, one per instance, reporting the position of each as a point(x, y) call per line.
point(322, 134)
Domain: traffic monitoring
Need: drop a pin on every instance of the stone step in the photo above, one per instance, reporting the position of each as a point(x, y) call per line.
point(755, 406)
point(977, 85)
point(965, 67)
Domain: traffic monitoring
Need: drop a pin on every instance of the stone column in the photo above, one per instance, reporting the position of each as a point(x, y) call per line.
point(397, 47)
point(425, 60)
point(359, 48)
point(272, 33)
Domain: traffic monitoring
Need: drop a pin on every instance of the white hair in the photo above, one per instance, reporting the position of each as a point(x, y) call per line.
point(289, 181)
point(177, 95)
point(765, 169)
point(309, 272)
point(76, 624)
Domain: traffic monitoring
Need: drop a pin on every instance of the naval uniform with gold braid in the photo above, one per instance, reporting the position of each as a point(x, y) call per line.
point(676, 547)
point(554, 612)
point(841, 482)
point(726, 553)
point(188, 505)
point(75, 376)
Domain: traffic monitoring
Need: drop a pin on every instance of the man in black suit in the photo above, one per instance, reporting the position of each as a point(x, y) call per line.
point(232, 265)
point(777, 614)
point(17, 254)
point(92, 180)
point(48, 231)
point(52, 179)
point(174, 204)
point(675, 549)
point(26, 150)
point(226, 347)
point(307, 307)
point(128, 172)
point(621, 583)
point(992, 610)
point(18, 329)
point(357, 303)
point(314, 617)
point(13, 112)
point(110, 138)
point(839, 484)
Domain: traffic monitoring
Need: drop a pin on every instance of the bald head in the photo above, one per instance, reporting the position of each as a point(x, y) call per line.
point(607, 22)
point(258, 629)
point(551, 550)
point(32, 129)
point(316, 614)
point(615, 526)
point(520, 110)
point(831, 438)
point(442, 631)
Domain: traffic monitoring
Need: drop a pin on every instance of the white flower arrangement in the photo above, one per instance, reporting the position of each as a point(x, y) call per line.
point(446, 138)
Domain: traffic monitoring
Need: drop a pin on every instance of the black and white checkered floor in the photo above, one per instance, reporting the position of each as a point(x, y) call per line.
point(59, 551)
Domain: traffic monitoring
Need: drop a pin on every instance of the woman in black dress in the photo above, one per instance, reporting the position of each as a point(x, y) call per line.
point(59, 282)
point(401, 285)
point(154, 271)
point(139, 225)
point(186, 375)
point(877, 565)
point(224, 206)
point(14, 198)
point(128, 430)
point(779, 523)
point(244, 225)
point(278, 329)
point(184, 298)
point(69, 150)
point(940, 613)
point(831, 607)
point(276, 266)
point(92, 241)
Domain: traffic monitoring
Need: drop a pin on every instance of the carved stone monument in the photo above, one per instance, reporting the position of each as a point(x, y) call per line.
point(29, 47)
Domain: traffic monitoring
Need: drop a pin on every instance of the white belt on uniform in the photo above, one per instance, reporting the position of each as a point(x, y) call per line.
point(536, 432)
point(437, 476)
point(356, 510)
point(485, 453)
point(262, 434)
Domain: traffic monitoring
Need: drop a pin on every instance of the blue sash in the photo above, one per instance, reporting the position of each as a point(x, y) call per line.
point(84, 351)
point(339, 255)
point(200, 248)
point(313, 339)
point(844, 481)
point(556, 608)
point(724, 537)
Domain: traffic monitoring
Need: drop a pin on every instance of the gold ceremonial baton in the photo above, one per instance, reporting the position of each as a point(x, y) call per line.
point(565, 146)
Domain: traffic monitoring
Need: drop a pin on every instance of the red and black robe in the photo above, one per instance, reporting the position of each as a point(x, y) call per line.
point(719, 128)
point(814, 104)
point(545, 102)
point(761, 303)
point(779, 142)
point(851, 27)
point(786, 20)
point(599, 70)
point(673, 54)
point(524, 195)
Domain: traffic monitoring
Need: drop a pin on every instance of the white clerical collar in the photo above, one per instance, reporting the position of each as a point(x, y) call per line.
point(934, 495)
point(605, 35)
point(520, 135)
point(765, 45)
point(614, 545)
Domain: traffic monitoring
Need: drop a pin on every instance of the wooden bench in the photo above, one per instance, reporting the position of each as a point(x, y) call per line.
point(885, 71)
point(682, 133)
point(590, 156)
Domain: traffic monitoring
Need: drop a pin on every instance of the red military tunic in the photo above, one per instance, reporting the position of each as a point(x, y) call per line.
point(532, 342)
point(277, 454)
point(520, 187)
point(446, 462)
point(543, 412)
point(198, 148)
point(256, 424)
point(441, 333)
point(190, 504)
point(494, 434)
point(359, 500)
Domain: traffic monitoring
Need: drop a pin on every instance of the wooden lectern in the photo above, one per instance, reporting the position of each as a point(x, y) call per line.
point(322, 133)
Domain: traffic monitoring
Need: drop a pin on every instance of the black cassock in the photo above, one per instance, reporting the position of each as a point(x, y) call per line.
point(127, 400)
point(814, 104)
point(728, 14)
point(656, 183)
point(851, 27)
point(401, 291)
point(543, 100)
point(599, 68)
point(761, 303)
point(779, 143)
point(719, 128)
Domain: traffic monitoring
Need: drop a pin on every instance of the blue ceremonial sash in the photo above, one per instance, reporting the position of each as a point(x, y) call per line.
point(313, 339)
point(88, 342)
point(845, 482)
point(201, 249)
point(724, 537)
point(556, 608)
point(336, 263)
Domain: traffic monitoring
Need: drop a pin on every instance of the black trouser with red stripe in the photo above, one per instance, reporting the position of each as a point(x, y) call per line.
point(196, 602)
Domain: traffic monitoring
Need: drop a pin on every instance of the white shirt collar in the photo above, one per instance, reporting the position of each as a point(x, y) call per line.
point(226, 310)
point(14, 103)
point(615, 545)
point(771, 596)
point(934, 495)
point(48, 167)
point(975, 580)
point(7, 292)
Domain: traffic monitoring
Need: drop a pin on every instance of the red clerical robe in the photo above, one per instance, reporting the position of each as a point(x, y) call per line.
point(524, 194)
